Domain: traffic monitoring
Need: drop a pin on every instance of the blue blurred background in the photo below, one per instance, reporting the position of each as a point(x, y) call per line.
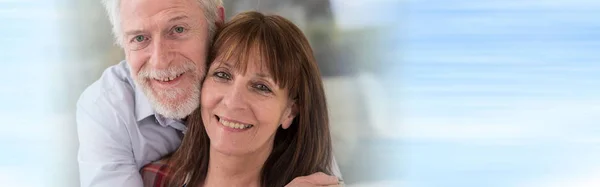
point(500, 93)
point(422, 93)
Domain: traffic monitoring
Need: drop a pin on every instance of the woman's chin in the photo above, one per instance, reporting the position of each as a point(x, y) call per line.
point(230, 150)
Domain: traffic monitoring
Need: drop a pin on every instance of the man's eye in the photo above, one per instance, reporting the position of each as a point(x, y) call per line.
point(140, 38)
point(179, 29)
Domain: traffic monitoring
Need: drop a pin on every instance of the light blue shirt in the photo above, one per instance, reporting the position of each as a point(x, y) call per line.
point(119, 132)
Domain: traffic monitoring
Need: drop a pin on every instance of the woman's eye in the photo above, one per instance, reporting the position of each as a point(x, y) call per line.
point(263, 88)
point(222, 75)
point(179, 30)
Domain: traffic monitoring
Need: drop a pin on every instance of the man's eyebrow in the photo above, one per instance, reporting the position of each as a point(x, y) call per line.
point(138, 32)
point(178, 18)
point(134, 32)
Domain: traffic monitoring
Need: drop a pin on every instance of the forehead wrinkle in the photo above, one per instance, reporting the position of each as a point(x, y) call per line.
point(147, 19)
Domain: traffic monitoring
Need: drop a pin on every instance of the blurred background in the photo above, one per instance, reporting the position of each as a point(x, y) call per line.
point(422, 93)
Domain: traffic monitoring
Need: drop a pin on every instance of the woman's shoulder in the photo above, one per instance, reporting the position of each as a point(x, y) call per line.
point(155, 174)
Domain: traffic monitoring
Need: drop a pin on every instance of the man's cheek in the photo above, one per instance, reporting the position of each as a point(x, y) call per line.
point(135, 65)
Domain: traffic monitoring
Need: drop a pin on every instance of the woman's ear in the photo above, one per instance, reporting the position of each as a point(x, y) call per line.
point(288, 116)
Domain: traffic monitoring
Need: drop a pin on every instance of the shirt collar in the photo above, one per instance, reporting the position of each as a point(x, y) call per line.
point(143, 108)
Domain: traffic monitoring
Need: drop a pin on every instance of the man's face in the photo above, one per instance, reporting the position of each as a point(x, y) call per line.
point(165, 43)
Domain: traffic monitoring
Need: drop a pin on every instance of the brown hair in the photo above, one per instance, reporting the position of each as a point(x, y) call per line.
point(302, 149)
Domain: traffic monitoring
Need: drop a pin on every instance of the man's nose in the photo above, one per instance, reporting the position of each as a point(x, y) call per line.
point(162, 54)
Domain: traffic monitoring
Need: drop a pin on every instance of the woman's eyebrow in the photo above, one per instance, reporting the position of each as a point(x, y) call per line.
point(263, 75)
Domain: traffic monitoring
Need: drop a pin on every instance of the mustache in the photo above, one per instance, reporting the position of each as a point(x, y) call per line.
point(171, 71)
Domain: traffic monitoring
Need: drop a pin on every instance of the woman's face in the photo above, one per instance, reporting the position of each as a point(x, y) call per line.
point(241, 112)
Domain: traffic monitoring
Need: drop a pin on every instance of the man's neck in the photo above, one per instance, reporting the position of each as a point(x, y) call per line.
point(229, 170)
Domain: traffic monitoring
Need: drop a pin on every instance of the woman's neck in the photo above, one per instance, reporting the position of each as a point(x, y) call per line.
point(229, 170)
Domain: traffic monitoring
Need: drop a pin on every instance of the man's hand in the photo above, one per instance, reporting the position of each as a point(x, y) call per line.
point(315, 179)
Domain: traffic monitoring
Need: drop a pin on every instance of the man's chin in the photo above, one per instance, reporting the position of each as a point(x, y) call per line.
point(175, 110)
point(175, 106)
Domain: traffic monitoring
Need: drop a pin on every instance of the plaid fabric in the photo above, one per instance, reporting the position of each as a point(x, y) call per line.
point(155, 174)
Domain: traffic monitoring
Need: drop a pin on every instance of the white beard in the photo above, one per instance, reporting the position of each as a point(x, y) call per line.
point(174, 103)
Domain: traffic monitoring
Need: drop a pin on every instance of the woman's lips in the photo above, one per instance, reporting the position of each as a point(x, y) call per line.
point(233, 125)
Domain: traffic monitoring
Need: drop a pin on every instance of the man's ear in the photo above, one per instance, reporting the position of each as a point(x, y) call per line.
point(221, 18)
point(289, 115)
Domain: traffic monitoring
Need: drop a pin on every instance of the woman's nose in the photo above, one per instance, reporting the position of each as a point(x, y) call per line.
point(235, 98)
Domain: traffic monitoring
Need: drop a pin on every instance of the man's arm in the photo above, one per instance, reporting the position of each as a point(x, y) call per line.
point(105, 153)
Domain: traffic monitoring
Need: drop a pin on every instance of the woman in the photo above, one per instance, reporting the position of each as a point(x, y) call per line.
point(263, 117)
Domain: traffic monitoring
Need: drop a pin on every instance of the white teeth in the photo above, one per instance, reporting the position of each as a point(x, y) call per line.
point(234, 124)
point(168, 78)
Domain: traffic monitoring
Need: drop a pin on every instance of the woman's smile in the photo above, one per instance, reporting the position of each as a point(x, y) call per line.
point(233, 125)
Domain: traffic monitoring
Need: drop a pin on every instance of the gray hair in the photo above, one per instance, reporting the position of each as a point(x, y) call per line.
point(209, 7)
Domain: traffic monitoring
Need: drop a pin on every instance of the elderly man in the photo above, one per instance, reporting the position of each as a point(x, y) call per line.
point(134, 113)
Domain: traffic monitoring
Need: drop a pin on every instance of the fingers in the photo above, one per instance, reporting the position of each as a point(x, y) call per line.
point(322, 179)
point(339, 184)
point(316, 179)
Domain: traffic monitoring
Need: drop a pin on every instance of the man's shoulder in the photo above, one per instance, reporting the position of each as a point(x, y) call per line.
point(114, 86)
point(112, 95)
